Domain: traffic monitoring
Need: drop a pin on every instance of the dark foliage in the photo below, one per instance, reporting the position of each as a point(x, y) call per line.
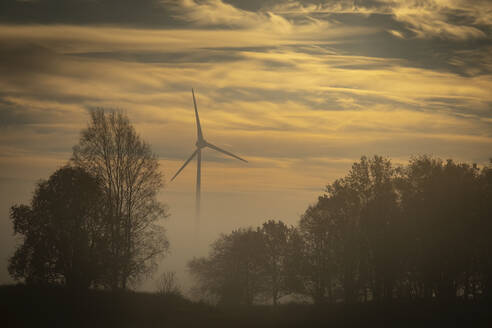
point(94, 223)
point(62, 231)
point(246, 266)
point(415, 232)
point(381, 233)
point(384, 246)
point(232, 274)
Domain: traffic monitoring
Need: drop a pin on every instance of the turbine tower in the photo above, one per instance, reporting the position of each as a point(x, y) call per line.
point(200, 144)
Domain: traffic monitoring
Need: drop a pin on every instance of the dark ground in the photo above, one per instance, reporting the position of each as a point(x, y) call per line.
point(22, 306)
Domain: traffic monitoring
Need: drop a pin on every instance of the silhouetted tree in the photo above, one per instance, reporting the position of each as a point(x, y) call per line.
point(440, 202)
point(167, 284)
point(233, 271)
point(341, 206)
point(276, 239)
point(316, 262)
point(483, 232)
point(374, 180)
point(63, 231)
point(294, 265)
point(208, 284)
point(411, 232)
point(111, 150)
point(359, 222)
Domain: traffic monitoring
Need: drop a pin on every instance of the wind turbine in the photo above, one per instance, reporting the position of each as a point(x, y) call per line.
point(200, 144)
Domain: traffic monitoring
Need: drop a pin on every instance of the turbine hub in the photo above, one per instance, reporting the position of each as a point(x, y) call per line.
point(201, 143)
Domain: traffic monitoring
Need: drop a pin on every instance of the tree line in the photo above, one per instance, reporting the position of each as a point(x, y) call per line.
point(93, 223)
point(382, 232)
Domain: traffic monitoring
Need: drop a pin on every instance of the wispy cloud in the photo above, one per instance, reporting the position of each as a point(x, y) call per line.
point(453, 19)
point(279, 85)
point(216, 12)
point(442, 18)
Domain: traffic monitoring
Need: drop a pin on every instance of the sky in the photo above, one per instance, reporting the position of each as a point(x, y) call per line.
point(301, 89)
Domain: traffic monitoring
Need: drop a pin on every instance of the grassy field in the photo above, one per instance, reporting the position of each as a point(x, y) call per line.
point(22, 306)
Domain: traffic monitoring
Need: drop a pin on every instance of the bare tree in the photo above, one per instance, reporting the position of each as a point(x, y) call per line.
point(110, 149)
point(167, 284)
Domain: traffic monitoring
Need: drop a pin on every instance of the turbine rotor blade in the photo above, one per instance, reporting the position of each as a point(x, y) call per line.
point(185, 163)
point(198, 126)
point(209, 145)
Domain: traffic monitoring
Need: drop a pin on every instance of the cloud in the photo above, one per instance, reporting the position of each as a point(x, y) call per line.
point(68, 39)
point(398, 34)
point(278, 93)
point(444, 19)
point(307, 76)
point(216, 12)
point(129, 13)
point(473, 61)
point(449, 19)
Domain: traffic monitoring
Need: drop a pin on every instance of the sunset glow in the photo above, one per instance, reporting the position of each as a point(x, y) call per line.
point(299, 89)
